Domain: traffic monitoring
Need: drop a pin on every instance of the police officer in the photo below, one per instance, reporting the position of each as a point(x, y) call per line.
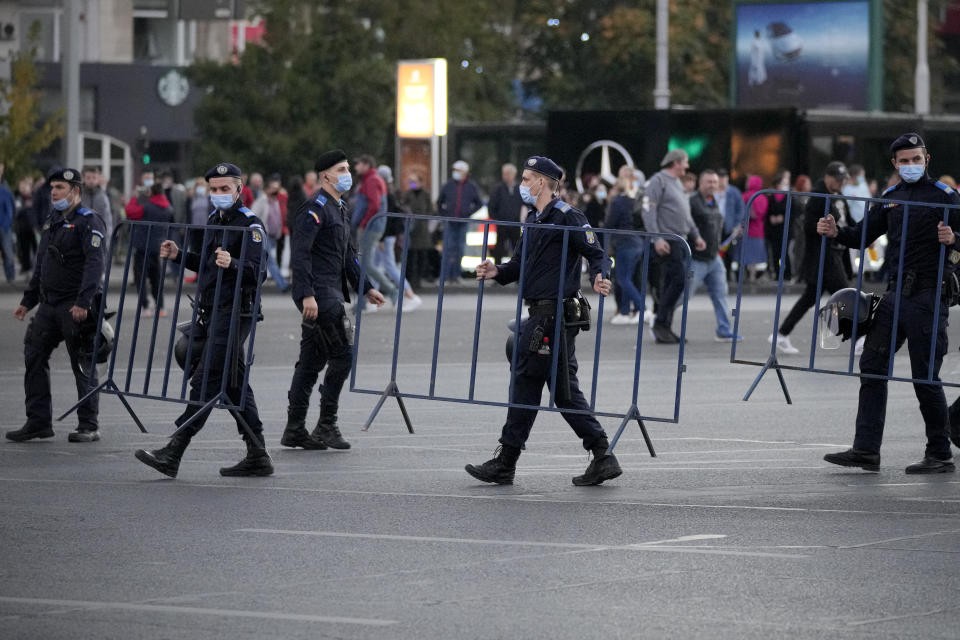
point(925, 232)
point(67, 285)
point(541, 279)
point(323, 262)
point(221, 254)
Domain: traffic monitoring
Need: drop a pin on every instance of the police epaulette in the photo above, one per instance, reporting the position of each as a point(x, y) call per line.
point(562, 206)
point(321, 199)
point(247, 212)
point(83, 211)
point(944, 187)
point(889, 189)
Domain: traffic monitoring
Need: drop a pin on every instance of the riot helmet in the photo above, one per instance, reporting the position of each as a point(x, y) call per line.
point(182, 346)
point(837, 316)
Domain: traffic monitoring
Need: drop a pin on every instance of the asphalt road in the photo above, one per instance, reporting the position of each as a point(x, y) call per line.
point(737, 529)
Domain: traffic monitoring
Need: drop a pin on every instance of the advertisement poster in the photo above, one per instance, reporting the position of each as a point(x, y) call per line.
point(812, 55)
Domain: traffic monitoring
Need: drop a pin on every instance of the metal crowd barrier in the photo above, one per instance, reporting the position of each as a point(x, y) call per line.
point(172, 388)
point(631, 413)
point(772, 361)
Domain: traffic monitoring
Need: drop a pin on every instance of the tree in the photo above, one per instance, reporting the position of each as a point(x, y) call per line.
point(22, 132)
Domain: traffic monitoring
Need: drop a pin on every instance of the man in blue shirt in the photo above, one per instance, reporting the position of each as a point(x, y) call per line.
point(7, 209)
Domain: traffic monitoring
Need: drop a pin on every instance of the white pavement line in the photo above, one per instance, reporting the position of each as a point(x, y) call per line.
point(152, 484)
point(522, 543)
point(700, 536)
point(932, 534)
point(918, 614)
point(226, 613)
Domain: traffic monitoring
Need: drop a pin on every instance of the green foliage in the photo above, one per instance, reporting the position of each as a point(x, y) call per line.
point(22, 133)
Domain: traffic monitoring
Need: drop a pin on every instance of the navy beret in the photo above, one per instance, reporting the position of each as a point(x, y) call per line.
point(328, 159)
point(545, 166)
point(65, 175)
point(223, 170)
point(907, 141)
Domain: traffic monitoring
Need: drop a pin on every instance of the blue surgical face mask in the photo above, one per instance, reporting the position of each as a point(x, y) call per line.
point(526, 196)
point(344, 182)
point(458, 175)
point(200, 191)
point(148, 183)
point(222, 201)
point(601, 194)
point(61, 205)
point(911, 172)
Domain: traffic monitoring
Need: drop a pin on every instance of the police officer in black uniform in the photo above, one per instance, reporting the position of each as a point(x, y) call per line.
point(323, 262)
point(67, 285)
point(221, 255)
point(541, 279)
point(925, 232)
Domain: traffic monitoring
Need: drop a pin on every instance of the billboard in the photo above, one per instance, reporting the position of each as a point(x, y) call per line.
point(811, 55)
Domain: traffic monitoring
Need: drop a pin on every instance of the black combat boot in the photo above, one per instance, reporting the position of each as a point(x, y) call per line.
point(295, 434)
point(604, 466)
point(328, 433)
point(954, 413)
point(855, 458)
point(166, 460)
point(29, 432)
point(498, 470)
point(256, 463)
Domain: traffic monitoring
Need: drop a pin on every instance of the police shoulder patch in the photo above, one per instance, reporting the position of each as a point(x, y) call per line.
point(321, 199)
point(256, 232)
point(591, 236)
point(96, 238)
point(944, 187)
point(954, 256)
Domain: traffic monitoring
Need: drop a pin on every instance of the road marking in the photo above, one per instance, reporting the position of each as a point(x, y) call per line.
point(701, 536)
point(916, 537)
point(523, 543)
point(226, 613)
point(918, 614)
point(156, 482)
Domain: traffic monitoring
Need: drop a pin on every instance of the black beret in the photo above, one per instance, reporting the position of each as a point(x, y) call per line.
point(545, 166)
point(65, 175)
point(329, 158)
point(223, 170)
point(907, 141)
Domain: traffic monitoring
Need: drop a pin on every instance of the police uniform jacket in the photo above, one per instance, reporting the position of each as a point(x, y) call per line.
point(922, 252)
point(70, 260)
point(544, 247)
point(323, 257)
point(236, 216)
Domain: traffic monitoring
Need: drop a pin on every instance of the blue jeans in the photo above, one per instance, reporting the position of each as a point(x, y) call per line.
point(272, 267)
point(369, 238)
point(386, 260)
point(454, 244)
point(629, 256)
point(6, 246)
point(714, 275)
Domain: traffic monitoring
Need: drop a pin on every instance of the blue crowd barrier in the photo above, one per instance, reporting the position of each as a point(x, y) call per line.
point(630, 414)
point(120, 382)
point(772, 362)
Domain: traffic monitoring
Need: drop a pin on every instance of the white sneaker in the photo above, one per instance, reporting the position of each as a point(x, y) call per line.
point(635, 317)
point(857, 350)
point(620, 319)
point(783, 344)
point(649, 316)
point(411, 304)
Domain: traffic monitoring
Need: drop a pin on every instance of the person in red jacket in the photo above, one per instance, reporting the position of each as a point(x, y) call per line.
point(371, 199)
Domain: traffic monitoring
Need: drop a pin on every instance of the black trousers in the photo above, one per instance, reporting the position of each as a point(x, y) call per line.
point(672, 281)
point(26, 242)
point(151, 262)
point(321, 345)
point(915, 326)
point(533, 372)
point(507, 240)
point(222, 355)
point(833, 281)
point(48, 328)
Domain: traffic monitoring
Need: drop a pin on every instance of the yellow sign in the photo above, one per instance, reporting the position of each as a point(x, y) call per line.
point(422, 98)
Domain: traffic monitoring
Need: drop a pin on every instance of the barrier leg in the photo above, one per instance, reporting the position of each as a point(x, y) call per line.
point(111, 385)
point(246, 427)
point(209, 405)
point(633, 413)
point(394, 391)
point(771, 364)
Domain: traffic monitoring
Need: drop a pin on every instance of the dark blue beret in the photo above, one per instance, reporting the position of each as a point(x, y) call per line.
point(223, 170)
point(65, 175)
point(545, 166)
point(907, 141)
point(328, 159)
